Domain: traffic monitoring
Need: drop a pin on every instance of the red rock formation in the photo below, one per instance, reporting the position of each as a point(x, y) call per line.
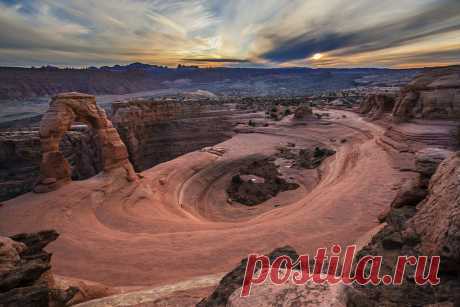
point(437, 222)
point(375, 105)
point(64, 110)
point(156, 131)
point(432, 95)
point(432, 228)
point(20, 158)
point(24, 272)
point(26, 278)
point(302, 112)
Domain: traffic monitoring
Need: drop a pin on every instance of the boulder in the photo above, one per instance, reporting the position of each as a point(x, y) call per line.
point(25, 278)
point(428, 159)
point(10, 251)
point(37, 296)
point(410, 194)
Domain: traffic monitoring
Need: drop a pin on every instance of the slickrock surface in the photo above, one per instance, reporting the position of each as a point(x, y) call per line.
point(432, 95)
point(286, 295)
point(64, 110)
point(175, 223)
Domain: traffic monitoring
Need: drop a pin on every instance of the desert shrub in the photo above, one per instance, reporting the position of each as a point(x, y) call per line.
point(237, 179)
point(458, 135)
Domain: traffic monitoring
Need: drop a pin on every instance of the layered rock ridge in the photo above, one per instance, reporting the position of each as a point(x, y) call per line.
point(376, 105)
point(432, 95)
point(156, 131)
point(20, 157)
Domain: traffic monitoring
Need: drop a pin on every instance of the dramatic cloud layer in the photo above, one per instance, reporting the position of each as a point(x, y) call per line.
point(337, 33)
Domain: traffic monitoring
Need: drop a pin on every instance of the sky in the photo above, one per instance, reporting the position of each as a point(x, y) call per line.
point(234, 33)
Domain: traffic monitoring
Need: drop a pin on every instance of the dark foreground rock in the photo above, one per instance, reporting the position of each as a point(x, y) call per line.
point(25, 278)
point(234, 279)
point(432, 228)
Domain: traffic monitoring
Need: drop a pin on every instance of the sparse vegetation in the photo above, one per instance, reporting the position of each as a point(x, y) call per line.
point(458, 135)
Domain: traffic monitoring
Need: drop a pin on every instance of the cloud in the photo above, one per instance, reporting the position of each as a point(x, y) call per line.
point(231, 33)
point(213, 60)
point(437, 18)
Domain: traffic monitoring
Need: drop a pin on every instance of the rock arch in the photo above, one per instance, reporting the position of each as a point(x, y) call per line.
point(63, 111)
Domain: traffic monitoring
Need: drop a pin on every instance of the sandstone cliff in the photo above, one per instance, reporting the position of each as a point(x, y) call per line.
point(432, 95)
point(20, 83)
point(158, 131)
point(153, 131)
point(376, 105)
point(20, 157)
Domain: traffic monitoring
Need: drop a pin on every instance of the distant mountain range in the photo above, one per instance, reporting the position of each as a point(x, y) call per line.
point(23, 83)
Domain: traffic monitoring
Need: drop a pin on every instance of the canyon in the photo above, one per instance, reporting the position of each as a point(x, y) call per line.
point(19, 83)
point(153, 222)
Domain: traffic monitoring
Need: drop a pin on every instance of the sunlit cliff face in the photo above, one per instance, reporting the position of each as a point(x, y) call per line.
point(259, 33)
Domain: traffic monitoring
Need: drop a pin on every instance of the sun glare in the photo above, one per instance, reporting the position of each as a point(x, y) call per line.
point(317, 56)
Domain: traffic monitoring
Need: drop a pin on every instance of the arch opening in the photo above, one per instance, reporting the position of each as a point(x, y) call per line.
point(64, 110)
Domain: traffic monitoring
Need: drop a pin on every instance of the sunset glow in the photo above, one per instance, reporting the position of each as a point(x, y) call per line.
point(317, 56)
point(229, 33)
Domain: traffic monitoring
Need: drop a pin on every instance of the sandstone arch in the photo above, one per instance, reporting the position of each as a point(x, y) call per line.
point(64, 110)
